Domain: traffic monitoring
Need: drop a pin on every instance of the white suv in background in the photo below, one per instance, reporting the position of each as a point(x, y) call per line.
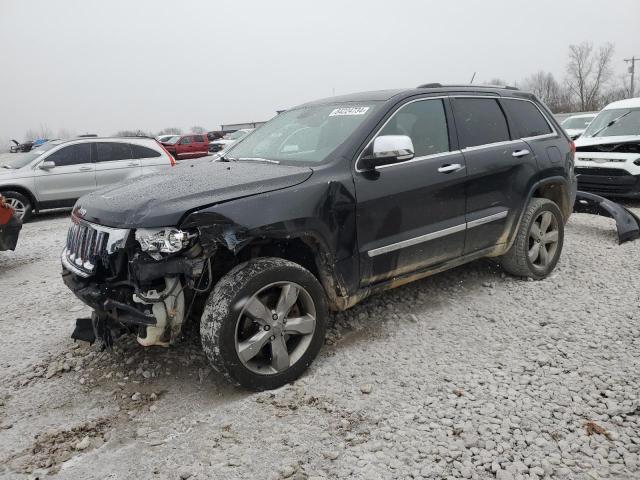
point(57, 173)
point(608, 152)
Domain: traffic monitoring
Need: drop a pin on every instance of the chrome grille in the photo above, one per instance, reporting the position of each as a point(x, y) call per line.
point(87, 243)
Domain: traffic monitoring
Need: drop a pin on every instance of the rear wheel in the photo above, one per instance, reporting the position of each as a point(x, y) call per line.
point(21, 205)
point(264, 323)
point(538, 244)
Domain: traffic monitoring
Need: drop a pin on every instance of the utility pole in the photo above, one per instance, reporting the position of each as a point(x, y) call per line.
point(632, 70)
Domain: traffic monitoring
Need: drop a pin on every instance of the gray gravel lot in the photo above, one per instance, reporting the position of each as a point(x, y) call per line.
point(467, 374)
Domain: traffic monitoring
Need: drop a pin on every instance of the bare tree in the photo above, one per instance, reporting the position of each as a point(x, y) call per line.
point(65, 133)
point(131, 133)
point(588, 72)
point(198, 129)
point(36, 133)
point(544, 86)
point(497, 81)
point(170, 131)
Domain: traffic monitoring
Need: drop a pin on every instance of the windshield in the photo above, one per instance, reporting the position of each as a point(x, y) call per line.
point(171, 140)
point(614, 122)
point(306, 134)
point(577, 122)
point(237, 135)
point(23, 159)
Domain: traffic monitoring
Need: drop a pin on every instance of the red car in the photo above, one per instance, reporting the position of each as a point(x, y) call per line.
point(187, 146)
point(9, 226)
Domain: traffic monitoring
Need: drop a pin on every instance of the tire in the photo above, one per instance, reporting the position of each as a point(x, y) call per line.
point(524, 258)
point(244, 341)
point(20, 203)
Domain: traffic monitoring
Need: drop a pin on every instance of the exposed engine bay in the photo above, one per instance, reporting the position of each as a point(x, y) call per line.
point(141, 282)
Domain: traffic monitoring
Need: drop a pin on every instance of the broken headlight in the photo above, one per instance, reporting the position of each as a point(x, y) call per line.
point(156, 241)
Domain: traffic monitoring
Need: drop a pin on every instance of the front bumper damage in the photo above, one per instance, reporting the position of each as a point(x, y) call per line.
point(627, 223)
point(129, 291)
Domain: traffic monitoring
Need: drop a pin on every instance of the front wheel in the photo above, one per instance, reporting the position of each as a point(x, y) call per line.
point(22, 208)
point(264, 323)
point(538, 244)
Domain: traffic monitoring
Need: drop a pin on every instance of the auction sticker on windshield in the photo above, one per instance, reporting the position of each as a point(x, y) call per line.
point(349, 111)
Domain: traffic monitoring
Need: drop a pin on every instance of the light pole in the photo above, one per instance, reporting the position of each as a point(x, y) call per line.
point(632, 69)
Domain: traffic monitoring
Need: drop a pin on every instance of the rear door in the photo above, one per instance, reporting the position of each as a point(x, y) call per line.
point(411, 215)
point(114, 163)
point(499, 167)
point(73, 176)
point(531, 125)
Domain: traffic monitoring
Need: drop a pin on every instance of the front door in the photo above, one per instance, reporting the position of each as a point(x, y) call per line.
point(72, 176)
point(184, 149)
point(411, 215)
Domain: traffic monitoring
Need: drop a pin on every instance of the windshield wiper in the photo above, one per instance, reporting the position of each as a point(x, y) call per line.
point(612, 122)
point(257, 159)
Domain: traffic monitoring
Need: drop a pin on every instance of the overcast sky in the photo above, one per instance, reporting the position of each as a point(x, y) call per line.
point(103, 66)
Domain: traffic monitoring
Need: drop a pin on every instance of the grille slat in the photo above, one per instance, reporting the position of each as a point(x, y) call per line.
point(85, 246)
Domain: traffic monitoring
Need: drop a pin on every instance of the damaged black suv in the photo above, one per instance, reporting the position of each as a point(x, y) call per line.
point(322, 206)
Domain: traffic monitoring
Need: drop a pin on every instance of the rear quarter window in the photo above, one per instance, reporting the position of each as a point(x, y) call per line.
point(198, 139)
point(144, 152)
point(480, 121)
point(527, 118)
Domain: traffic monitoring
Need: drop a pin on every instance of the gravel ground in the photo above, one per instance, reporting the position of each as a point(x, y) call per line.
point(467, 374)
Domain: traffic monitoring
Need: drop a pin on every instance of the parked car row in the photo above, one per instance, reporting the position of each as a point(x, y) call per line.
point(59, 172)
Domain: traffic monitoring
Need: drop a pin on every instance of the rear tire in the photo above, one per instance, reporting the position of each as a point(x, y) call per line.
point(264, 323)
point(538, 243)
point(23, 209)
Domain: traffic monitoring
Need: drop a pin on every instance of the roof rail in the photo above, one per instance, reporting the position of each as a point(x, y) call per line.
point(438, 85)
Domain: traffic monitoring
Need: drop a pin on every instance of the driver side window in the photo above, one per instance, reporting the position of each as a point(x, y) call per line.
point(71, 155)
point(185, 141)
point(425, 122)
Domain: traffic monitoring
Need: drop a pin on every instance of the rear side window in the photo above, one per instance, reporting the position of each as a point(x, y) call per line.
point(71, 155)
point(143, 152)
point(480, 121)
point(198, 139)
point(185, 141)
point(425, 122)
point(110, 151)
point(529, 122)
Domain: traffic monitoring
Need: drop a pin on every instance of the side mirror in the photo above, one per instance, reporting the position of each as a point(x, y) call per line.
point(47, 165)
point(388, 149)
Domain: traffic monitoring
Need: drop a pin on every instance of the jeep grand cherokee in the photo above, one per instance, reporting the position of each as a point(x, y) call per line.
point(322, 206)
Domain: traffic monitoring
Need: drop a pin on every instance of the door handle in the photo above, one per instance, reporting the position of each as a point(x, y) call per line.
point(520, 153)
point(450, 167)
point(86, 169)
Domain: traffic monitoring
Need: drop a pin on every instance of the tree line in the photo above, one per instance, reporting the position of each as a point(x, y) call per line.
point(589, 82)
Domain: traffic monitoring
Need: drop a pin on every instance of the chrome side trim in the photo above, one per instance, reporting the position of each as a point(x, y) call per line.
point(491, 145)
point(433, 235)
point(490, 218)
point(416, 240)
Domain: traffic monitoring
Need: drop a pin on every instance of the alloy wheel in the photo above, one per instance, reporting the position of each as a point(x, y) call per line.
point(275, 328)
point(19, 208)
point(543, 239)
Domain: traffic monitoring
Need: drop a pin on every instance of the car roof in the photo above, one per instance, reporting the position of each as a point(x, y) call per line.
point(628, 103)
point(137, 139)
point(431, 88)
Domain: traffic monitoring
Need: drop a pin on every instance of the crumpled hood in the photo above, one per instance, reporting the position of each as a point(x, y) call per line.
point(162, 199)
point(588, 141)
